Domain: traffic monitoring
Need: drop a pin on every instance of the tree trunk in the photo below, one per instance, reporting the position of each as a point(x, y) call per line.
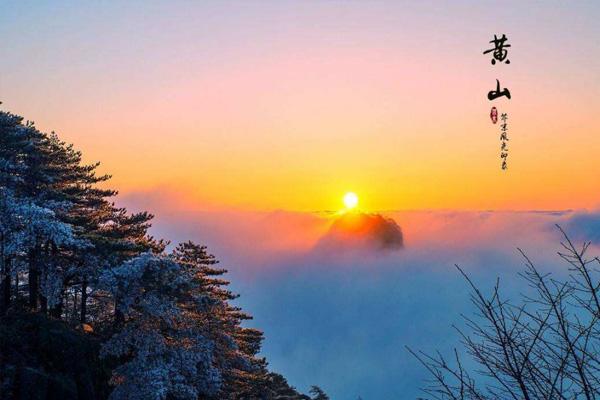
point(119, 316)
point(57, 310)
point(16, 291)
point(5, 286)
point(74, 315)
point(43, 304)
point(84, 286)
point(34, 278)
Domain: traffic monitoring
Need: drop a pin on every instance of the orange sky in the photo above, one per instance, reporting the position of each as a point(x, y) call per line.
point(289, 106)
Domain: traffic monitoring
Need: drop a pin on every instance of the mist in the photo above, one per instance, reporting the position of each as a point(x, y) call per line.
point(342, 319)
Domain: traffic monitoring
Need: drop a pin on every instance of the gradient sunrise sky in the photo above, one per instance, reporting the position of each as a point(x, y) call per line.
point(288, 105)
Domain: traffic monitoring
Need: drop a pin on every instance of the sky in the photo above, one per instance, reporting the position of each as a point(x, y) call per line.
point(241, 125)
point(288, 105)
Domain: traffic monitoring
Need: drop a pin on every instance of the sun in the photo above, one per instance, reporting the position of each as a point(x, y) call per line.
point(350, 200)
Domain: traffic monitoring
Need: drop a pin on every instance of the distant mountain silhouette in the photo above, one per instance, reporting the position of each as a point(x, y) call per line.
point(360, 231)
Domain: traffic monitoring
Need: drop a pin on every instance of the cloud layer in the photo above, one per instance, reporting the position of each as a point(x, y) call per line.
point(341, 319)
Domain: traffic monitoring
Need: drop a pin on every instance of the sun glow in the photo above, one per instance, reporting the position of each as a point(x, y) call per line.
point(350, 200)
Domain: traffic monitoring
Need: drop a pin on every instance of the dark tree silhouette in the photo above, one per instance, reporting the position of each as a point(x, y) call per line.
point(318, 393)
point(545, 346)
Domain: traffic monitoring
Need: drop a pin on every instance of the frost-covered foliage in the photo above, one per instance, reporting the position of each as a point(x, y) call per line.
point(236, 347)
point(59, 228)
point(12, 224)
point(22, 223)
point(169, 355)
point(166, 320)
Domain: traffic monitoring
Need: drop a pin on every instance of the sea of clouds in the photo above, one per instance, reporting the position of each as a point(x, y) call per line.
point(341, 319)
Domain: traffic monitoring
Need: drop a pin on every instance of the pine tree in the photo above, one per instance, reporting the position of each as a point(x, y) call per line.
point(168, 320)
point(318, 393)
point(168, 354)
point(236, 346)
point(47, 173)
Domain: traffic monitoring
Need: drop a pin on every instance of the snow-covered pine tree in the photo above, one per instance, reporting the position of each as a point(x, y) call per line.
point(167, 319)
point(236, 347)
point(168, 353)
point(45, 172)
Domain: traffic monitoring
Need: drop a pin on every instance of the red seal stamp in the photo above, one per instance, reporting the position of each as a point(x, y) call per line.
point(494, 115)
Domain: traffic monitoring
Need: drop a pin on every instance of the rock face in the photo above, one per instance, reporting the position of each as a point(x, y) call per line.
point(44, 359)
point(358, 231)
